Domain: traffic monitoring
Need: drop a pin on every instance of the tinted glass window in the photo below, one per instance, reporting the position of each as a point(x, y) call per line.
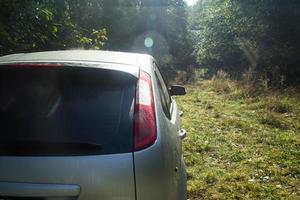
point(65, 111)
point(164, 93)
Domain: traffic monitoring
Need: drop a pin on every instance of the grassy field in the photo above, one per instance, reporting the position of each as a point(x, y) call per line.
point(240, 145)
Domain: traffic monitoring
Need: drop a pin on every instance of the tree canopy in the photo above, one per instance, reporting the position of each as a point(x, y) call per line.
point(236, 36)
point(149, 26)
point(230, 35)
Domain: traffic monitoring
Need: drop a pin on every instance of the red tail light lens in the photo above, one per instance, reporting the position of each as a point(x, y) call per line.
point(144, 113)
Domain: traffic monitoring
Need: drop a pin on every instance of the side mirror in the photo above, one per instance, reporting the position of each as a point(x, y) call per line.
point(177, 90)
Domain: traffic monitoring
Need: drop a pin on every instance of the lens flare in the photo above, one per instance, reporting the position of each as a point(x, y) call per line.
point(148, 42)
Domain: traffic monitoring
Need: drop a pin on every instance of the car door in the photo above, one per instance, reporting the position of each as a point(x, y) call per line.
point(173, 124)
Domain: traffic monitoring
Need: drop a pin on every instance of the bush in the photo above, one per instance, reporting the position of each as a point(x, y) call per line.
point(272, 121)
point(280, 106)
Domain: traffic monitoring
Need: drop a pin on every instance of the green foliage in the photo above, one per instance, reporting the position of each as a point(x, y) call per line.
point(96, 40)
point(242, 147)
point(123, 25)
point(254, 36)
point(272, 121)
point(43, 25)
point(165, 23)
point(239, 35)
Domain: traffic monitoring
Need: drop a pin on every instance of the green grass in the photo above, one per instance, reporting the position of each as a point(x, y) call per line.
point(238, 146)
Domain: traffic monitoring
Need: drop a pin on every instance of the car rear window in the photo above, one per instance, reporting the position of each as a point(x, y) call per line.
point(65, 111)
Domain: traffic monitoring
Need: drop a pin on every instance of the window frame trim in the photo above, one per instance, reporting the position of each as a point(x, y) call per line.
point(171, 101)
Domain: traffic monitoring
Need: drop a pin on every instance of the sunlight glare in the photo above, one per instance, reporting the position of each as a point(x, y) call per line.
point(191, 2)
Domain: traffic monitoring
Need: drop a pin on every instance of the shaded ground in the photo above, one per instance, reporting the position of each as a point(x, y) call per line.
point(238, 146)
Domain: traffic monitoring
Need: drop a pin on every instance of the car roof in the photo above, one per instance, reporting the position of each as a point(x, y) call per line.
point(80, 56)
point(122, 61)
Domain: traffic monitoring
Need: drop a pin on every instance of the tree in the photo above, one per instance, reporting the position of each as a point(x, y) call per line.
point(164, 24)
point(158, 27)
point(237, 35)
point(43, 25)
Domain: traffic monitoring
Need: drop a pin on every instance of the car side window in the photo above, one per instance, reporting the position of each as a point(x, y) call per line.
point(163, 92)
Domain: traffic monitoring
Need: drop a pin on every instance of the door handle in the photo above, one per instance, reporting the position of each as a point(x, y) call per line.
point(182, 133)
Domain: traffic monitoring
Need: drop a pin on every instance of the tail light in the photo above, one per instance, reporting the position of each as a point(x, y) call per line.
point(144, 113)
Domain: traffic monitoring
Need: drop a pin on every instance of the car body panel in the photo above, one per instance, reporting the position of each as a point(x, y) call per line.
point(108, 177)
point(74, 56)
point(161, 165)
point(157, 172)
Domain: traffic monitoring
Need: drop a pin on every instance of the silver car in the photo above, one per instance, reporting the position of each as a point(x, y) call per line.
point(88, 125)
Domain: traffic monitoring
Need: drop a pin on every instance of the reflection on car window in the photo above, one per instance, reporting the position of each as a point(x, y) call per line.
point(163, 93)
